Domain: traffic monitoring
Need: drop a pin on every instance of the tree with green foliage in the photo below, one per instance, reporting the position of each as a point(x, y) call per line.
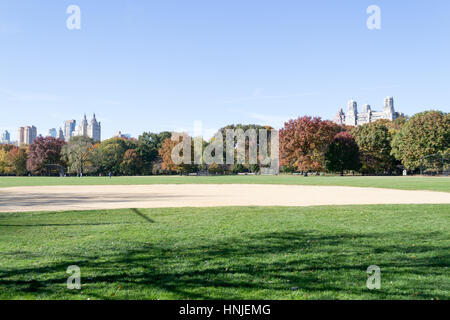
point(342, 154)
point(3, 162)
point(246, 166)
point(4, 152)
point(109, 154)
point(147, 148)
point(374, 143)
point(426, 133)
point(78, 155)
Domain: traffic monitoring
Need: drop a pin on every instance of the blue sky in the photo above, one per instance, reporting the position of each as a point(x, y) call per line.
point(161, 65)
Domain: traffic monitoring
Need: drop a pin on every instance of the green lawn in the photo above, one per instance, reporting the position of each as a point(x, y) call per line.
point(406, 183)
point(228, 253)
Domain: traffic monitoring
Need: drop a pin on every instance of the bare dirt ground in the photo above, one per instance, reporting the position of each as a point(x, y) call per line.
point(59, 198)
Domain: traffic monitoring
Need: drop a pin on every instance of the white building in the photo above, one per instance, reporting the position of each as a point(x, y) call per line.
point(92, 130)
point(27, 135)
point(355, 118)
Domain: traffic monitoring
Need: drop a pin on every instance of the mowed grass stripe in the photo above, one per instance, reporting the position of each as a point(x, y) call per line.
point(405, 183)
point(228, 253)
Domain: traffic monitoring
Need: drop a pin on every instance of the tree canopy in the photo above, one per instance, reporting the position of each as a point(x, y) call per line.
point(304, 142)
point(342, 154)
point(43, 152)
point(426, 133)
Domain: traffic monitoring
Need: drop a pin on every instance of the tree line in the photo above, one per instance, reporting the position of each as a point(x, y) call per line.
point(306, 144)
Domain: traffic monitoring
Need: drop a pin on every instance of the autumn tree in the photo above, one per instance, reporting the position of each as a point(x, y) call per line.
point(426, 133)
point(44, 152)
point(3, 162)
point(187, 165)
point(132, 163)
point(165, 153)
point(17, 161)
point(78, 155)
point(304, 142)
point(374, 142)
point(342, 154)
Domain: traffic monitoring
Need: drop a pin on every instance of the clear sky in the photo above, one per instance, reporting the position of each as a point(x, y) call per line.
point(145, 65)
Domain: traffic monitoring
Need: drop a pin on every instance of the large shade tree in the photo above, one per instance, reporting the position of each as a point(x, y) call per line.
point(109, 154)
point(425, 134)
point(44, 153)
point(342, 154)
point(245, 149)
point(17, 161)
point(166, 150)
point(78, 155)
point(304, 142)
point(131, 164)
point(374, 142)
point(147, 149)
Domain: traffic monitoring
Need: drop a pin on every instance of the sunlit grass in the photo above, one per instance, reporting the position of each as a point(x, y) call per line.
point(228, 253)
point(406, 183)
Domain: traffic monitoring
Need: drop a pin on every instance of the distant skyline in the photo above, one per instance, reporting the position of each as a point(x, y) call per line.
point(161, 66)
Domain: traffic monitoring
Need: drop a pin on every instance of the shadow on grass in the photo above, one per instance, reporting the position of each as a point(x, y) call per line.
point(142, 215)
point(272, 263)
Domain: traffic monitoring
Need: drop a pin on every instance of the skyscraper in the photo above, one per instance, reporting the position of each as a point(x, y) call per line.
point(27, 135)
point(95, 129)
point(69, 128)
point(60, 134)
point(52, 132)
point(5, 138)
point(21, 136)
point(82, 129)
point(91, 130)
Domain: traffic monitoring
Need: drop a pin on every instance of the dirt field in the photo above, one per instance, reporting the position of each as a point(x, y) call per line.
point(59, 198)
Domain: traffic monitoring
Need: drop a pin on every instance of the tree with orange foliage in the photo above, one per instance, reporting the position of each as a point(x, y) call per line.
point(304, 142)
point(17, 161)
point(165, 152)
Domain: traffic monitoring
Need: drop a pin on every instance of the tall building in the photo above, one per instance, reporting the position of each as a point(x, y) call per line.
point(27, 135)
point(60, 134)
point(95, 129)
point(21, 136)
point(92, 130)
point(52, 132)
point(5, 138)
point(69, 128)
point(355, 118)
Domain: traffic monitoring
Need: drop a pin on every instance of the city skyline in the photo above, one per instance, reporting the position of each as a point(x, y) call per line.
point(353, 117)
point(159, 67)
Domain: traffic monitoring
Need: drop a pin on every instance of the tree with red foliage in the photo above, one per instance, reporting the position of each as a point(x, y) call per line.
point(304, 142)
point(42, 152)
point(343, 154)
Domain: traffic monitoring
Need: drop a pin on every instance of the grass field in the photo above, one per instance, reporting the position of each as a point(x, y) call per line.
point(406, 183)
point(228, 253)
